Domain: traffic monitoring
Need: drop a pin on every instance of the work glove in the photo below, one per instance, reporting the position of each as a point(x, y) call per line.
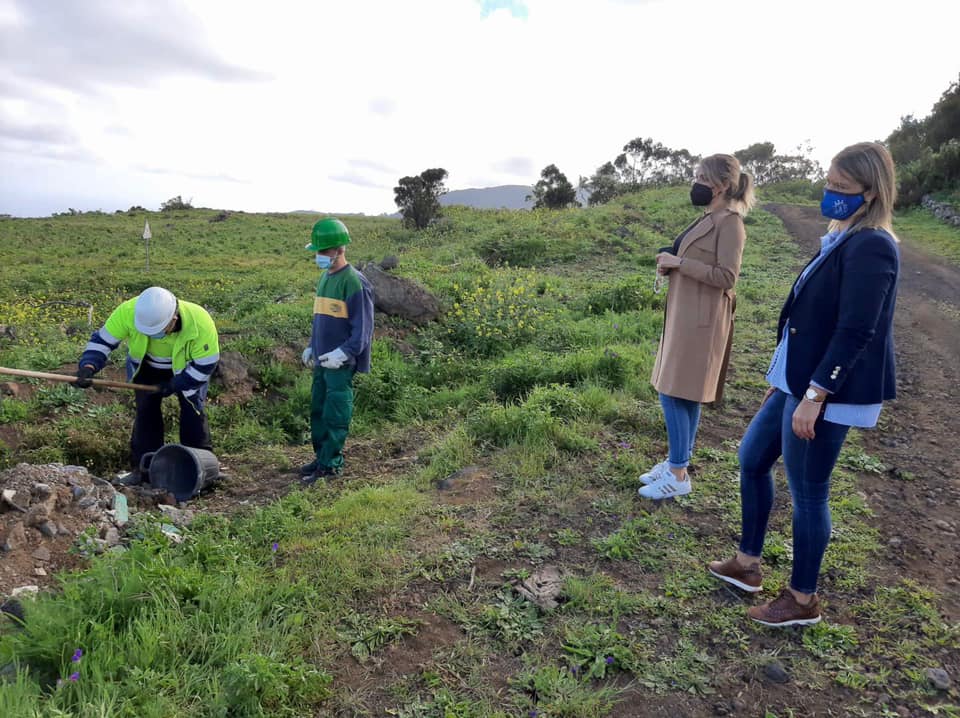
point(166, 388)
point(307, 357)
point(332, 360)
point(84, 374)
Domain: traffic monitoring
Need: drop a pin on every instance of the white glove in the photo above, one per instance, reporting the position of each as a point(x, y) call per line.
point(307, 357)
point(332, 360)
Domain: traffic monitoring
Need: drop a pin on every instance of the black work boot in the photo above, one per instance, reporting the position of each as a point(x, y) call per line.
point(131, 478)
point(308, 469)
point(322, 472)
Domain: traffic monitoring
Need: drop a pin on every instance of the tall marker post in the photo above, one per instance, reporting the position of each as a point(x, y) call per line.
point(146, 241)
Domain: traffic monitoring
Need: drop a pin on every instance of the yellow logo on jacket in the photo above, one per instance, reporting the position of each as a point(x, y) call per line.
point(330, 307)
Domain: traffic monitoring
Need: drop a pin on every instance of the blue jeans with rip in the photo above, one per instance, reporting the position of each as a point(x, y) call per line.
point(682, 417)
point(808, 466)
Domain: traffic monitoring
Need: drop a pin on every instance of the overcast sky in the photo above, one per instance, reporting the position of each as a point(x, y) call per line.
point(324, 105)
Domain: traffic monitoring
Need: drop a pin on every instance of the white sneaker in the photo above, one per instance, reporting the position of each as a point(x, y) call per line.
point(665, 487)
point(656, 472)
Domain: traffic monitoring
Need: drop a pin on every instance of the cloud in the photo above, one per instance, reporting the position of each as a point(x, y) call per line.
point(517, 166)
point(39, 133)
point(371, 165)
point(517, 8)
point(98, 42)
point(191, 175)
point(382, 106)
point(357, 179)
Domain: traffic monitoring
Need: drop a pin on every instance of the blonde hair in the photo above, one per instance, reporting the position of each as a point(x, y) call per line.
point(870, 165)
point(726, 168)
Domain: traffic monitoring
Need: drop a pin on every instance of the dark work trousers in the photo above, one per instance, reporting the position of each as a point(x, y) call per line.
point(331, 409)
point(148, 424)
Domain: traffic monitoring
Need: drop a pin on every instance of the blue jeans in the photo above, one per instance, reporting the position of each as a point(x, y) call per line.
point(808, 464)
point(682, 417)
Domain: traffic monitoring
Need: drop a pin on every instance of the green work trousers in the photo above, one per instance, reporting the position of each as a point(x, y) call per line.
point(331, 408)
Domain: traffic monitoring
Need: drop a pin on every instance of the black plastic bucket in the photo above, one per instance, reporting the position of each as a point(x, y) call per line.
point(181, 470)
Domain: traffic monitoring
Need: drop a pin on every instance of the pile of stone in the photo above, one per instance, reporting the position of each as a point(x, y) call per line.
point(48, 511)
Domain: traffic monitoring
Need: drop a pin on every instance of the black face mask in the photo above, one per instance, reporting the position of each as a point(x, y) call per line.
point(701, 195)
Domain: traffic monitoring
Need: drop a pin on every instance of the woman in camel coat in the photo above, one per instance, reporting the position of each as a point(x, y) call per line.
point(703, 267)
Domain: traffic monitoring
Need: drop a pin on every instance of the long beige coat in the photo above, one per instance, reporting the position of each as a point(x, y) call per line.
point(698, 321)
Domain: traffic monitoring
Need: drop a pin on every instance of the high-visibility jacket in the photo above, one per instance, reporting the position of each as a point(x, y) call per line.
point(191, 352)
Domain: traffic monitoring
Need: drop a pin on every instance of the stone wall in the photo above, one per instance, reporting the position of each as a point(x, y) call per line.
point(941, 210)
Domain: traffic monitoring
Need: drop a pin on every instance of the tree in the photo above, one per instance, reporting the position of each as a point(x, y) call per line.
point(604, 184)
point(763, 163)
point(176, 203)
point(553, 190)
point(419, 197)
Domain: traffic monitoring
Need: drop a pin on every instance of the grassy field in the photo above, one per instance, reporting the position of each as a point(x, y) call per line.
point(379, 595)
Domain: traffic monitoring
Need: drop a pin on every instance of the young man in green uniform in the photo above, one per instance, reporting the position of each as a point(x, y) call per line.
point(339, 346)
point(170, 343)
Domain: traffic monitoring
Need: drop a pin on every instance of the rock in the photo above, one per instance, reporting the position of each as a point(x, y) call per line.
point(939, 679)
point(41, 490)
point(895, 541)
point(41, 554)
point(15, 538)
point(465, 474)
point(121, 511)
point(721, 708)
point(231, 371)
point(943, 525)
point(25, 591)
point(78, 492)
point(111, 536)
point(391, 261)
point(775, 672)
point(401, 297)
point(178, 517)
point(10, 388)
point(544, 587)
point(47, 529)
point(10, 498)
point(87, 501)
point(38, 571)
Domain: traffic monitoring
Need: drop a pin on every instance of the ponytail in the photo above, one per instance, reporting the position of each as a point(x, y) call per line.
point(744, 194)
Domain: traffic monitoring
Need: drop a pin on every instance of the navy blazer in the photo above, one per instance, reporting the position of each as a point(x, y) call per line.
point(841, 321)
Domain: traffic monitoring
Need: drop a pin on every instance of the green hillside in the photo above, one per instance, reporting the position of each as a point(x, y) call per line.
point(379, 594)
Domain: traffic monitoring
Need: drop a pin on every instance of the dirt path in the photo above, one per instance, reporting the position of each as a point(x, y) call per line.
point(917, 499)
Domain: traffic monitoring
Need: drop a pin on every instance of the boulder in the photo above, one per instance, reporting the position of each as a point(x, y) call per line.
point(231, 371)
point(401, 297)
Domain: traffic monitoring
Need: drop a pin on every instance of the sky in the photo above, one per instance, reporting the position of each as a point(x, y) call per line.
point(324, 105)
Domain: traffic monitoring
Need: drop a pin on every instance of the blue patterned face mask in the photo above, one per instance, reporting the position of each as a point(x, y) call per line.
point(161, 335)
point(840, 205)
point(323, 261)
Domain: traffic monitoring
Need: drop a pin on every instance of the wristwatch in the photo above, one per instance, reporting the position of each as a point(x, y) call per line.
point(813, 395)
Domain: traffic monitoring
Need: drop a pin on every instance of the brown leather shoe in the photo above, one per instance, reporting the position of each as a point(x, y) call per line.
point(748, 579)
point(785, 611)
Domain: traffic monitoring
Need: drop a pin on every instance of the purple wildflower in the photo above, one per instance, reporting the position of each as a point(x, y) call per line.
point(534, 714)
point(610, 660)
point(275, 547)
point(77, 655)
point(75, 676)
point(574, 669)
point(616, 326)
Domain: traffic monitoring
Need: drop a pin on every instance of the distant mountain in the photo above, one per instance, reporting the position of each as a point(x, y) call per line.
point(508, 196)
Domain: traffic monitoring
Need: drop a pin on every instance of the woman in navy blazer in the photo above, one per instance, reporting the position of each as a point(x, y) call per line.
point(832, 369)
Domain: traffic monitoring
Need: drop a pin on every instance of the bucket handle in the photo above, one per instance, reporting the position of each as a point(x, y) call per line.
point(145, 462)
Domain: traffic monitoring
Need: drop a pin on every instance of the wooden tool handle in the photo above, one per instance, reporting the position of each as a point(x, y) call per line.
point(67, 378)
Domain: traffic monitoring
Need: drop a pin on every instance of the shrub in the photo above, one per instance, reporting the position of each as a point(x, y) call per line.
point(496, 314)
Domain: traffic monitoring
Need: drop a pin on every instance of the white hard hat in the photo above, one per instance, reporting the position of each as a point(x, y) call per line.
point(154, 309)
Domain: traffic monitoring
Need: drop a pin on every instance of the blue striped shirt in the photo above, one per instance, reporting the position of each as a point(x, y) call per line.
point(864, 416)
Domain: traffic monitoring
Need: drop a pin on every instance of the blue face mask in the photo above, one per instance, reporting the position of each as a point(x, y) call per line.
point(323, 261)
point(161, 335)
point(839, 205)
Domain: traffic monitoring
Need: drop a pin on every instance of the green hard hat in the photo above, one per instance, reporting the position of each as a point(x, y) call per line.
point(328, 233)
